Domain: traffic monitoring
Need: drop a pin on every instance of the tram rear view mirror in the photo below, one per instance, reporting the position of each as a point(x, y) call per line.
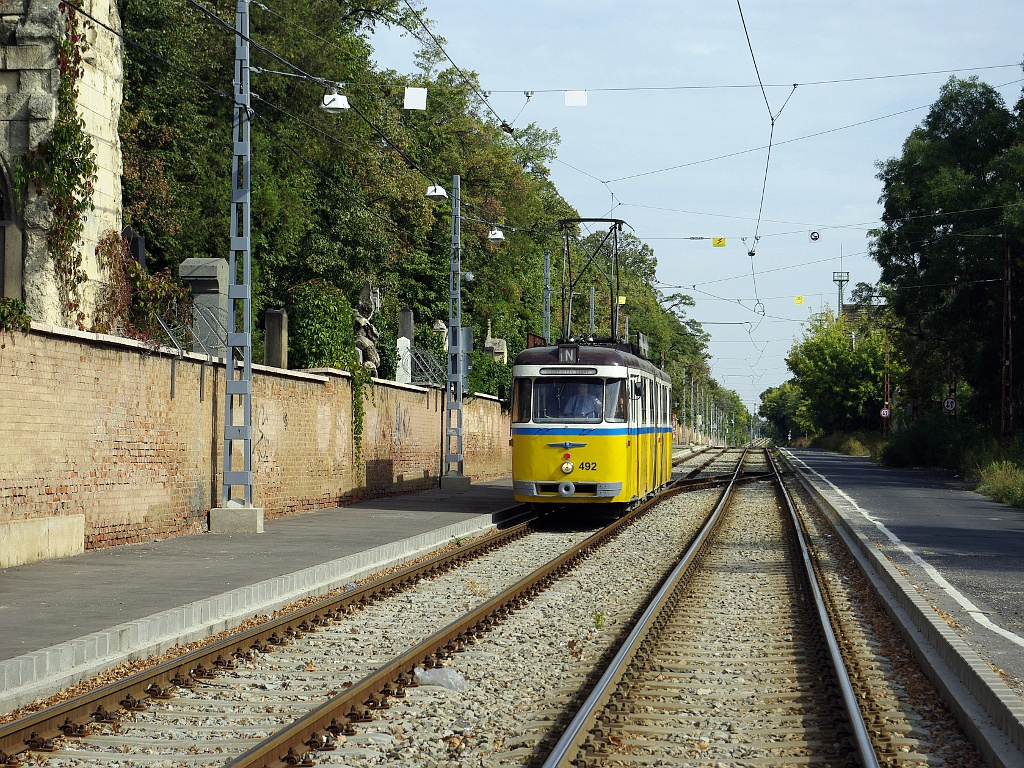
point(638, 389)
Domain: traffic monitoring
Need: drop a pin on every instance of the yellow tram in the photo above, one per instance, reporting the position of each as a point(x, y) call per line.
point(591, 423)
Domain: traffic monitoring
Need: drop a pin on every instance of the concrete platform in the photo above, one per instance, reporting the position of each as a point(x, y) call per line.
point(64, 620)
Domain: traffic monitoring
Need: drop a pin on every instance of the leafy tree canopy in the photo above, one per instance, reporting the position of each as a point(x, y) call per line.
point(338, 199)
point(952, 212)
point(840, 370)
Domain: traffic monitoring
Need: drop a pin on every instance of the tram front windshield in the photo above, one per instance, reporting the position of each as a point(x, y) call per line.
point(570, 400)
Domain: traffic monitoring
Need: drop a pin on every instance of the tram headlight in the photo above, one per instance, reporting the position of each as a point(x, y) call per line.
point(567, 467)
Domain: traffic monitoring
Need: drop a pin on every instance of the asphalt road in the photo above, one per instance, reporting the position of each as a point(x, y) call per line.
point(964, 552)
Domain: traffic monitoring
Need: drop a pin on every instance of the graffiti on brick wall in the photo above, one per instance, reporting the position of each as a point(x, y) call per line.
point(268, 427)
point(403, 425)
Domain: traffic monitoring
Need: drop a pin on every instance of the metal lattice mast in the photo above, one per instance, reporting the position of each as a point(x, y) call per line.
point(238, 382)
point(547, 297)
point(456, 351)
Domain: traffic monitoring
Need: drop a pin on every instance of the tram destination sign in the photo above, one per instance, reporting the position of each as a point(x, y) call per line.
point(568, 371)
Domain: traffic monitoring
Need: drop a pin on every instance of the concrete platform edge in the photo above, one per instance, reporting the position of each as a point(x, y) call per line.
point(42, 673)
point(996, 723)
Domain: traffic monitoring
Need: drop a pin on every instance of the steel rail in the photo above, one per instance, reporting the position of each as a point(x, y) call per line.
point(861, 737)
point(571, 741)
point(566, 750)
point(74, 716)
point(103, 705)
point(296, 742)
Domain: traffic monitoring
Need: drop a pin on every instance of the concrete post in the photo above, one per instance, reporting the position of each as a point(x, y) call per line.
point(208, 279)
point(403, 373)
point(406, 332)
point(275, 338)
point(406, 325)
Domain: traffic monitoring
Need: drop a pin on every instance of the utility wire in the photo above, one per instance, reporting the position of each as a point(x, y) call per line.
point(787, 141)
point(753, 58)
point(733, 86)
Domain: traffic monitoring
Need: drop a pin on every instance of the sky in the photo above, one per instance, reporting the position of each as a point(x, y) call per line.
point(675, 133)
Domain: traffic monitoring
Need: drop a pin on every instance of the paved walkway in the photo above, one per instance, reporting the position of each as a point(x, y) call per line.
point(62, 620)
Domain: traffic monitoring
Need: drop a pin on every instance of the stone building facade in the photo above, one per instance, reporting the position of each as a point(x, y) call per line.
point(29, 78)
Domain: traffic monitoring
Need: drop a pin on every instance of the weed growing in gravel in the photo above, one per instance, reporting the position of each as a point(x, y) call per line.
point(599, 619)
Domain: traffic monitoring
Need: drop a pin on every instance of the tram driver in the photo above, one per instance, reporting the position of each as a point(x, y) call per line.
point(584, 404)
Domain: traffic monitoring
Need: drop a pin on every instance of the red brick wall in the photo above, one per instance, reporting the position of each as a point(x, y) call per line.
point(132, 438)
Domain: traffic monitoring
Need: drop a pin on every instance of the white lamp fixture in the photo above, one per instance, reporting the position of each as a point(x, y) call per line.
point(436, 193)
point(495, 235)
point(334, 103)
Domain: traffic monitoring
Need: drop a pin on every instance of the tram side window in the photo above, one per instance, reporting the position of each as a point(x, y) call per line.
point(615, 400)
point(521, 397)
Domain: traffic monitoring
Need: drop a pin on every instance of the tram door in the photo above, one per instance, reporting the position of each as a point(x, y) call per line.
point(636, 405)
point(659, 446)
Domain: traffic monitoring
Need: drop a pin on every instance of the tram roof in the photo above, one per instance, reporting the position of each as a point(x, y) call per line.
point(590, 355)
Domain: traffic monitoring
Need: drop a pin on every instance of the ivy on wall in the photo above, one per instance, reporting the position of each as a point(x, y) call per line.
point(63, 168)
point(322, 335)
point(132, 301)
point(13, 317)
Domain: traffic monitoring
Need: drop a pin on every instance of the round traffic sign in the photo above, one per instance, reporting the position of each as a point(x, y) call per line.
point(949, 404)
point(886, 413)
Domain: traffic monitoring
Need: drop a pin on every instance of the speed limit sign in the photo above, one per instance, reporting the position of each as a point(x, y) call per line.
point(886, 413)
point(949, 404)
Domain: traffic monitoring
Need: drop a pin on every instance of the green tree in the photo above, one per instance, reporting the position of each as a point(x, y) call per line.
point(952, 208)
point(321, 333)
point(785, 410)
point(839, 369)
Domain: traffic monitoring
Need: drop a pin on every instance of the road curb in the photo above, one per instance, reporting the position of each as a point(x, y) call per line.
point(988, 710)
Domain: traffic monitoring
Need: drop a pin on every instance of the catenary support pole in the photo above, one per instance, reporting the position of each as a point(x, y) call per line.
point(238, 380)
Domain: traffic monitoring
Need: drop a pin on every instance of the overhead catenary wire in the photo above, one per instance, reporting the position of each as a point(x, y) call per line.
point(733, 86)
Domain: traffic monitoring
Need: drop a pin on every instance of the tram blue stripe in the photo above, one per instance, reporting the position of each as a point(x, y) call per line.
point(595, 431)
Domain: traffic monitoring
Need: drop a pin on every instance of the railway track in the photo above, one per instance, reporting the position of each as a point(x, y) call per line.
point(734, 662)
point(203, 684)
point(449, 663)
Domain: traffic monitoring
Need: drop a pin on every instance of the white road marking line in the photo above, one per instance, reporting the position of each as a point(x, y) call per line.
point(975, 613)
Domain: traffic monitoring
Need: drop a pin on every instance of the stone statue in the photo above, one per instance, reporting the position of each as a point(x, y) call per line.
point(366, 334)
